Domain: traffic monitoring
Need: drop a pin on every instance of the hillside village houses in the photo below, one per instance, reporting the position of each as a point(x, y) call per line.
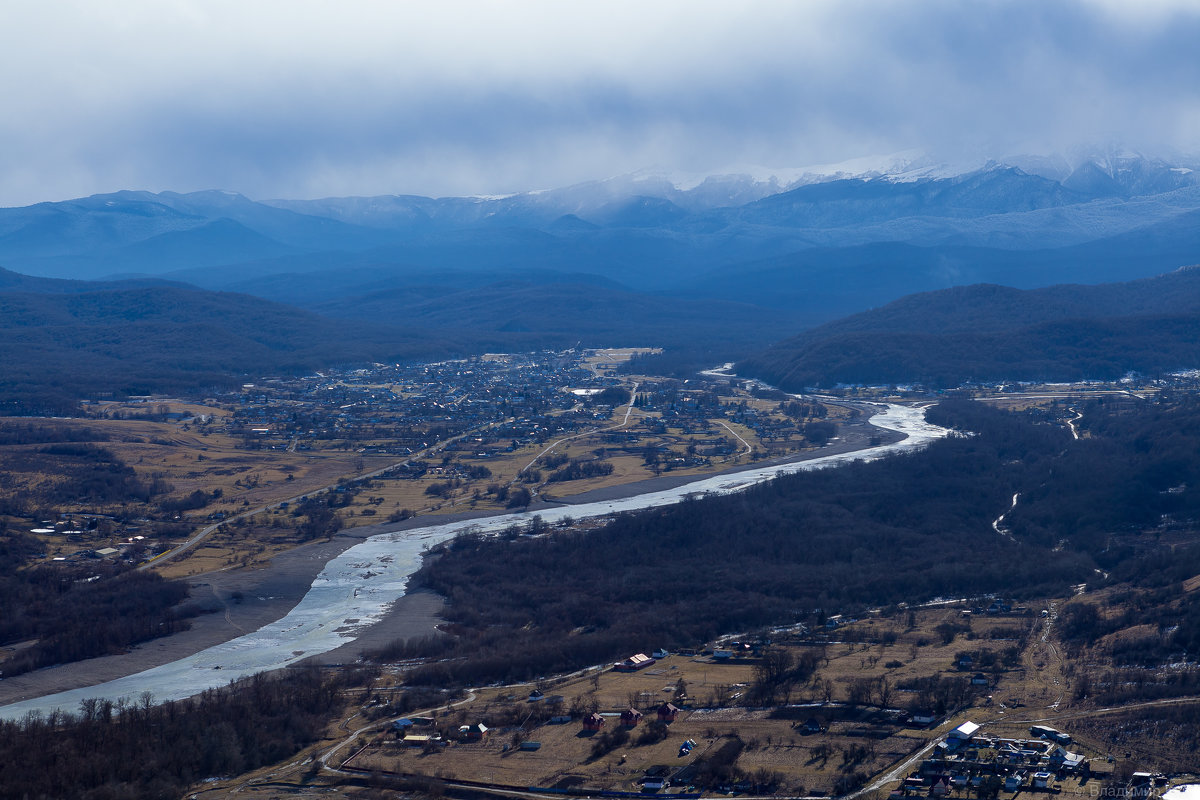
point(958, 762)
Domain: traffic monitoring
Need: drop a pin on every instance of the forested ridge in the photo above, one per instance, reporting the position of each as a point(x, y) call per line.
point(988, 333)
point(1133, 476)
point(61, 341)
point(58, 347)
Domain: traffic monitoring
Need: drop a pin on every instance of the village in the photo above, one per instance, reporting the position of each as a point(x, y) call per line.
point(712, 722)
point(506, 402)
point(389, 442)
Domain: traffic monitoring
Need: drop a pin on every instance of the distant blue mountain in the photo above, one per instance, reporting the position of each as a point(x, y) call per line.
point(820, 244)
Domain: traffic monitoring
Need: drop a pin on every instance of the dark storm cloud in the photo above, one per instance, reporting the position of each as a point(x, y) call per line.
point(309, 99)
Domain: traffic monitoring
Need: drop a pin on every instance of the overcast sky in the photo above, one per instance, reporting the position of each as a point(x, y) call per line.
point(300, 99)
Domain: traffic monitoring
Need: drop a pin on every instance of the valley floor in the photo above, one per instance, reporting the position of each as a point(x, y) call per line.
point(242, 600)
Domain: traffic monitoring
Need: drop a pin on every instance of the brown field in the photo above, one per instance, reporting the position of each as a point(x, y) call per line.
point(189, 458)
point(601, 361)
point(386, 496)
point(774, 742)
point(853, 741)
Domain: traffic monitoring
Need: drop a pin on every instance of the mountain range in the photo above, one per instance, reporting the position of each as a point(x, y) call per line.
point(715, 267)
point(819, 242)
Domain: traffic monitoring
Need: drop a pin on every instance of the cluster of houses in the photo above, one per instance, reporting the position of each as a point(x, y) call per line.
point(631, 717)
point(404, 403)
point(70, 530)
point(968, 759)
point(421, 731)
point(394, 409)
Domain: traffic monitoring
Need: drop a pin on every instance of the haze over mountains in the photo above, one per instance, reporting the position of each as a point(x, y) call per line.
point(900, 225)
point(721, 265)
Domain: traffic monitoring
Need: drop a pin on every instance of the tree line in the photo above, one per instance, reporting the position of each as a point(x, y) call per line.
point(137, 750)
point(79, 611)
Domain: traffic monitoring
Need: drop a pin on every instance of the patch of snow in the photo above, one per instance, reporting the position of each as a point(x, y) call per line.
point(905, 166)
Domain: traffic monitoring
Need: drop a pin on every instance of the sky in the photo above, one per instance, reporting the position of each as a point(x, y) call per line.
point(303, 99)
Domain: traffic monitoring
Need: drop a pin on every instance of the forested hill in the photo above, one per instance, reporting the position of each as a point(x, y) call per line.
point(66, 339)
point(988, 332)
point(16, 282)
point(559, 312)
point(115, 340)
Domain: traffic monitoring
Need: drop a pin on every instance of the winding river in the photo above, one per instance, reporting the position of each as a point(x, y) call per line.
point(356, 588)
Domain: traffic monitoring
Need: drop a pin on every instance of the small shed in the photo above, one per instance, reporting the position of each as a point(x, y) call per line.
point(593, 722)
point(417, 740)
point(667, 712)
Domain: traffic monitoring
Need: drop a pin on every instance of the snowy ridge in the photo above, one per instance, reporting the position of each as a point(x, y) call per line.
point(909, 166)
point(902, 167)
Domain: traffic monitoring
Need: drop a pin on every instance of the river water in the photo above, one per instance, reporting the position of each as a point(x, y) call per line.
point(356, 588)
